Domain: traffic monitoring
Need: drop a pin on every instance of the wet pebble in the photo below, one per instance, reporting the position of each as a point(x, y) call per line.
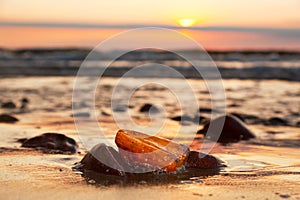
point(51, 143)
point(276, 121)
point(5, 118)
point(234, 105)
point(24, 100)
point(186, 118)
point(274, 132)
point(182, 118)
point(202, 160)
point(285, 196)
point(81, 114)
point(147, 107)
point(103, 159)
point(120, 108)
point(205, 110)
point(9, 105)
point(24, 103)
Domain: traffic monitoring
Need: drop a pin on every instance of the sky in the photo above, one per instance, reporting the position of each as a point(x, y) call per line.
point(216, 24)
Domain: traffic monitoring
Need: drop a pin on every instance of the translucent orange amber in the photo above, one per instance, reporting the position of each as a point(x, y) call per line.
point(151, 152)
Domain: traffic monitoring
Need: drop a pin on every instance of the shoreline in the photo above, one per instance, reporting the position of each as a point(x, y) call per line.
point(257, 73)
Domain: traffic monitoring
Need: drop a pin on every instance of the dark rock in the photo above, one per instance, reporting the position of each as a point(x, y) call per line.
point(201, 160)
point(131, 106)
point(285, 196)
point(186, 118)
point(233, 130)
point(103, 159)
point(205, 110)
point(234, 105)
point(147, 107)
point(24, 100)
point(5, 118)
point(9, 105)
point(105, 113)
point(120, 108)
point(182, 118)
point(176, 118)
point(298, 124)
point(276, 121)
point(52, 143)
point(81, 114)
point(274, 132)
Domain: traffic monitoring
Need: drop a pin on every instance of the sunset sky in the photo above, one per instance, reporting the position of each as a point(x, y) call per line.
point(216, 24)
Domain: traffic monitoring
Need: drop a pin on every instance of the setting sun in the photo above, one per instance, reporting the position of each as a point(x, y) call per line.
point(186, 22)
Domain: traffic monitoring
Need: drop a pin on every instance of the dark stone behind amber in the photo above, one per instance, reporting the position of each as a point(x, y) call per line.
point(201, 160)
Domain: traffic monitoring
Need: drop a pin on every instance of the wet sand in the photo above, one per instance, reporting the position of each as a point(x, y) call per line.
point(267, 167)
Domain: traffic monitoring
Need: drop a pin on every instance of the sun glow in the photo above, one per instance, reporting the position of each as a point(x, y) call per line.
point(186, 22)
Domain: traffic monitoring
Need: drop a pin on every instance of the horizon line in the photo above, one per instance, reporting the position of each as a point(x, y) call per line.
point(135, 26)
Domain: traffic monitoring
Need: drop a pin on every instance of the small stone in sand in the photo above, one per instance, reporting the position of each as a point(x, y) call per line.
point(285, 196)
point(276, 121)
point(5, 118)
point(205, 110)
point(205, 161)
point(120, 108)
point(9, 105)
point(24, 100)
point(183, 119)
point(51, 143)
point(149, 107)
point(81, 114)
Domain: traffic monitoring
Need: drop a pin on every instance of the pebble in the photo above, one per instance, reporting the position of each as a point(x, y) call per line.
point(205, 110)
point(24, 100)
point(81, 114)
point(276, 121)
point(5, 118)
point(9, 105)
point(233, 130)
point(147, 107)
point(201, 160)
point(285, 196)
point(51, 143)
point(186, 118)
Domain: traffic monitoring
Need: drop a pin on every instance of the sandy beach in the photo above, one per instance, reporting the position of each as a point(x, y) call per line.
point(267, 167)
